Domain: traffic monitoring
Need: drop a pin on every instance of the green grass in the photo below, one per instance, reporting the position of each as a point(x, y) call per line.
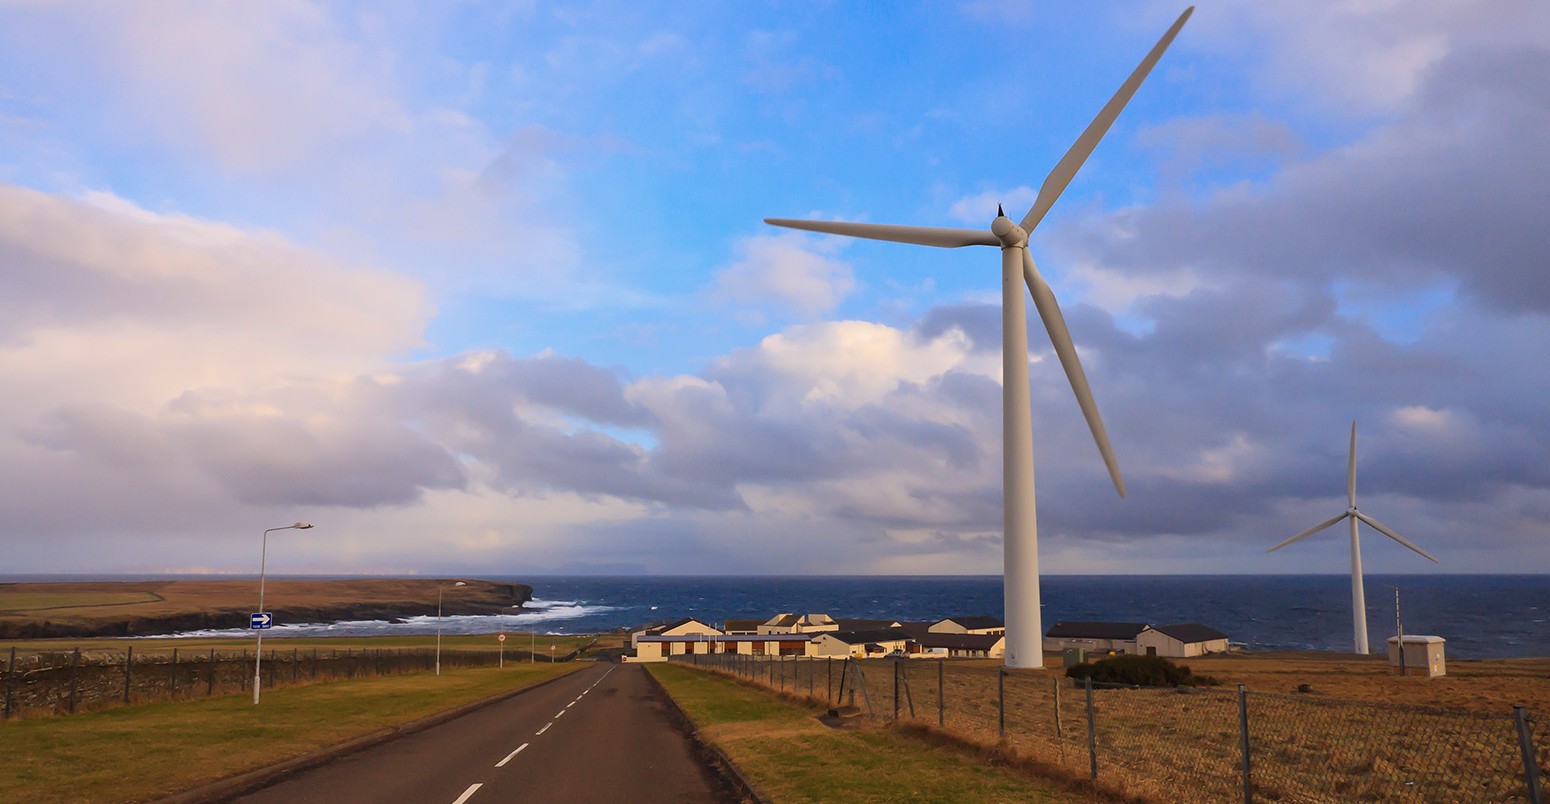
point(514, 642)
point(139, 753)
point(791, 757)
point(21, 600)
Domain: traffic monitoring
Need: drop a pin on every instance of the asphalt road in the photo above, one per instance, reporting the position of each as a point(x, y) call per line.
point(599, 734)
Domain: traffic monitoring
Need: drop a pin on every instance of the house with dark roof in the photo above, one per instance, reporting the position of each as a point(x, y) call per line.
point(787, 623)
point(685, 627)
point(734, 626)
point(1093, 637)
point(962, 646)
point(1180, 641)
point(864, 624)
point(973, 624)
point(862, 644)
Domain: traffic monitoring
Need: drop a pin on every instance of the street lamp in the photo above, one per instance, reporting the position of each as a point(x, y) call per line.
point(439, 590)
point(263, 558)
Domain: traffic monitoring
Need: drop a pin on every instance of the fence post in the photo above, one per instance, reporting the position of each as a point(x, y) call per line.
point(1059, 731)
point(174, 672)
point(243, 675)
point(314, 662)
point(210, 682)
point(1530, 762)
point(294, 653)
point(1243, 741)
point(75, 663)
point(1001, 702)
point(129, 662)
point(10, 673)
point(896, 690)
point(1092, 732)
point(941, 694)
point(828, 681)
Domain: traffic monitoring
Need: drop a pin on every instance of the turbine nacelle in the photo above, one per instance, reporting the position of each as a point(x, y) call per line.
point(1007, 231)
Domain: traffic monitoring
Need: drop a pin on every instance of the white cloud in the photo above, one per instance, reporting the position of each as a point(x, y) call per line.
point(979, 210)
point(793, 272)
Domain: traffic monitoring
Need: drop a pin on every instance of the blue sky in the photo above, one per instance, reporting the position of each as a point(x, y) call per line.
point(485, 287)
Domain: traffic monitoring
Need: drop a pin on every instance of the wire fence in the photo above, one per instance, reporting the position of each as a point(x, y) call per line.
point(1185, 743)
point(67, 681)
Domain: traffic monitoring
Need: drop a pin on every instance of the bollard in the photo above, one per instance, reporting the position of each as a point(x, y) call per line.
point(129, 662)
point(1092, 732)
point(1243, 741)
point(1530, 762)
point(1001, 702)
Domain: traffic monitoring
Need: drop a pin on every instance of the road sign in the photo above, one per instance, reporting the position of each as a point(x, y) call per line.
point(261, 619)
point(502, 637)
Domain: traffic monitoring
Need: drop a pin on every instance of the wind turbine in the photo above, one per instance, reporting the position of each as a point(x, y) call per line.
point(1020, 546)
point(1358, 596)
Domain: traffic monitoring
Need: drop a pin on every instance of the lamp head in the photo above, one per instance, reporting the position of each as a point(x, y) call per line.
point(302, 525)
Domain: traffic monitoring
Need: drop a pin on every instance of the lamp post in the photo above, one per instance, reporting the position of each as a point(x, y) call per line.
point(263, 559)
point(439, 590)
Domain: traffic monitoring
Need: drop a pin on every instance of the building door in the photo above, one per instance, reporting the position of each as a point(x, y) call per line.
point(1151, 650)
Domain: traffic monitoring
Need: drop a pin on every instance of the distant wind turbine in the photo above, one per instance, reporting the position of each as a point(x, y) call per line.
point(1024, 621)
point(1358, 596)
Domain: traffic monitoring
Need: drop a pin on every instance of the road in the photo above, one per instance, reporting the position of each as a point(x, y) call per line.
point(599, 734)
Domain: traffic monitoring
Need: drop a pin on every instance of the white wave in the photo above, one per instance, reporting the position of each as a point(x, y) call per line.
point(523, 619)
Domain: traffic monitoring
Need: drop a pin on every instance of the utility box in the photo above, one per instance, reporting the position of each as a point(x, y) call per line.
point(1071, 657)
point(1415, 655)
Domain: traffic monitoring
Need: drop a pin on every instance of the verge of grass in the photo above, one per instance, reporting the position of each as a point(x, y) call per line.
point(783, 749)
point(139, 753)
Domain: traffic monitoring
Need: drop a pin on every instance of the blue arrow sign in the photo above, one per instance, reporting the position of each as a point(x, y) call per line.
point(261, 619)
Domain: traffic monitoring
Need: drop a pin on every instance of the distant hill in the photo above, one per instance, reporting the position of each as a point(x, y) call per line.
point(144, 608)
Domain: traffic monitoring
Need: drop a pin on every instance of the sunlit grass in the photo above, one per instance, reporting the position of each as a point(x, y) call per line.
point(138, 753)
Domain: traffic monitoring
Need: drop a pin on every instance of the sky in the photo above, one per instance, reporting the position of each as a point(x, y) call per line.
point(483, 287)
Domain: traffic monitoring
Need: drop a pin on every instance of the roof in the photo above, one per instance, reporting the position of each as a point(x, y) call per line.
point(657, 629)
point(975, 621)
point(740, 625)
point(960, 641)
point(1190, 632)
point(1417, 639)
point(729, 638)
point(855, 624)
point(1076, 630)
point(782, 620)
point(915, 629)
point(861, 637)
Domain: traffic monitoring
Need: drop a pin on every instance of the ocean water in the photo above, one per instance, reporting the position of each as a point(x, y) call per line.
point(1481, 616)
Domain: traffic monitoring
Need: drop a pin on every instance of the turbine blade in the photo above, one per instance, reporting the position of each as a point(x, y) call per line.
point(1309, 532)
point(1055, 324)
point(1055, 183)
point(1350, 478)
point(919, 235)
point(1395, 536)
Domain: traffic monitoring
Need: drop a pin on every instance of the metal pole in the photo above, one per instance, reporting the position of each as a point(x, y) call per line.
point(1243, 741)
point(258, 654)
point(1092, 732)
point(438, 630)
point(941, 693)
point(1530, 762)
point(1001, 702)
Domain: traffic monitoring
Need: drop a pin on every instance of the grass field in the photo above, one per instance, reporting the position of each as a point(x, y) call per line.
point(515, 641)
point(792, 757)
point(140, 753)
point(15, 599)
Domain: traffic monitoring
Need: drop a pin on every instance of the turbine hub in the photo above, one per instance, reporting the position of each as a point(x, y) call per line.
point(1009, 233)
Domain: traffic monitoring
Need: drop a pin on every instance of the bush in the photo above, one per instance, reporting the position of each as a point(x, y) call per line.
point(1143, 671)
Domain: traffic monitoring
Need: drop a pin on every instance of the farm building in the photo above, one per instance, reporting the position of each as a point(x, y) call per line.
point(1093, 637)
point(661, 648)
point(684, 627)
point(1416, 655)
point(862, 644)
point(1180, 641)
point(975, 624)
point(787, 623)
point(962, 646)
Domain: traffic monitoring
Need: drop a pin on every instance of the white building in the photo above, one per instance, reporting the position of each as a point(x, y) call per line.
point(1180, 641)
point(788, 623)
point(686, 627)
point(982, 624)
point(936, 645)
point(1093, 637)
point(1421, 655)
point(864, 644)
point(652, 648)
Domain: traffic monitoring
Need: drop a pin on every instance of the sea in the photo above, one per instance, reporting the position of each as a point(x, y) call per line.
point(1480, 616)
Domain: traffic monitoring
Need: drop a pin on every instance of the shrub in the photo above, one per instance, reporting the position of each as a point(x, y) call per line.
point(1144, 671)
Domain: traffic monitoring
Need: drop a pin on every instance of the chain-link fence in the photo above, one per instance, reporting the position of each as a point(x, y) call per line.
point(1185, 743)
point(74, 680)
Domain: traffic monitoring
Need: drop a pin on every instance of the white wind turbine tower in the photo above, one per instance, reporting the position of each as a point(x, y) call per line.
point(1358, 596)
point(1024, 626)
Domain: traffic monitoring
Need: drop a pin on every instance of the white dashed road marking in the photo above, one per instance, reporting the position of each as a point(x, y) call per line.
point(546, 727)
point(510, 756)
point(469, 792)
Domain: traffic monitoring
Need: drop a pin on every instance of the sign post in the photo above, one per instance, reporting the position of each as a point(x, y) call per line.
point(260, 620)
point(502, 640)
